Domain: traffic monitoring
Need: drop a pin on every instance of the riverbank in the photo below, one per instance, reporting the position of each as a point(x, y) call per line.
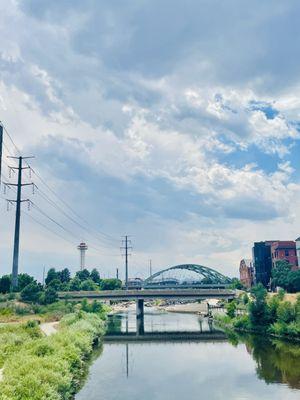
point(35, 366)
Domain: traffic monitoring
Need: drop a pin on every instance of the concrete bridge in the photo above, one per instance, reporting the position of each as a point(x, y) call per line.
point(150, 294)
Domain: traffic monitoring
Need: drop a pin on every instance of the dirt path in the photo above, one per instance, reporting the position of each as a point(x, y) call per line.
point(49, 328)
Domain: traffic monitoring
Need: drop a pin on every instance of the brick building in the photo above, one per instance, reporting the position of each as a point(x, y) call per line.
point(284, 250)
point(246, 273)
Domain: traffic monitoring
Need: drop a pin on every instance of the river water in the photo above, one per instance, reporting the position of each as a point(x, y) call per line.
point(180, 356)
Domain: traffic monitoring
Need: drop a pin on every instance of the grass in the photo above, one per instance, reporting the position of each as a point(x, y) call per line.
point(52, 368)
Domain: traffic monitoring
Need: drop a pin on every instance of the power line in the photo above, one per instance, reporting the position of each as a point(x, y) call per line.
point(108, 237)
point(57, 207)
point(54, 204)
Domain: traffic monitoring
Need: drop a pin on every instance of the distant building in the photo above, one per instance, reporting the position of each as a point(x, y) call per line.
point(262, 262)
point(298, 250)
point(246, 273)
point(284, 250)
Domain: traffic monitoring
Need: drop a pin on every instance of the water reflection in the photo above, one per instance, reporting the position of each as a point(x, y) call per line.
point(202, 363)
point(277, 361)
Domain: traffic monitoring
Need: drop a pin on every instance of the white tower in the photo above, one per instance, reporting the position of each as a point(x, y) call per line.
point(82, 248)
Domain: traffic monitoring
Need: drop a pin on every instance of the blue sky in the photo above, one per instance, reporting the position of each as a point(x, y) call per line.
point(175, 122)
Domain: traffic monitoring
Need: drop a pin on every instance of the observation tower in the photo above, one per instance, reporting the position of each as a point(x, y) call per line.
point(82, 248)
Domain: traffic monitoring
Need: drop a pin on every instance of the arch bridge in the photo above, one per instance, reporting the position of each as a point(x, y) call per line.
point(187, 276)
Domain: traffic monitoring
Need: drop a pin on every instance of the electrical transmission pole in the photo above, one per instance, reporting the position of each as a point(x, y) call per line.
point(150, 267)
point(127, 246)
point(19, 185)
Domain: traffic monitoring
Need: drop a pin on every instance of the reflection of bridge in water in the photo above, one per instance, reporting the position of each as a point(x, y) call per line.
point(196, 336)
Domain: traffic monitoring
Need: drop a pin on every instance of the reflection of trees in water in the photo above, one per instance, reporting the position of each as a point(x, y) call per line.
point(114, 324)
point(277, 361)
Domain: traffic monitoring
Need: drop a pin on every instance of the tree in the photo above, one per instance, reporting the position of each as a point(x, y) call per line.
point(24, 280)
point(110, 284)
point(83, 275)
point(258, 308)
point(280, 274)
point(231, 309)
point(50, 296)
point(293, 281)
point(75, 283)
point(95, 276)
point(51, 275)
point(286, 312)
point(236, 284)
point(31, 292)
point(5, 283)
point(55, 284)
point(64, 275)
point(89, 284)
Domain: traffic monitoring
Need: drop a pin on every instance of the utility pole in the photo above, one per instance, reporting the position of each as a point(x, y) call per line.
point(117, 273)
point(15, 267)
point(150, 267)
point(1, 148)
point(126, 247)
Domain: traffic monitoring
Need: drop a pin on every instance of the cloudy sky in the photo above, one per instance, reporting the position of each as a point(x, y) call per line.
point(176, 122)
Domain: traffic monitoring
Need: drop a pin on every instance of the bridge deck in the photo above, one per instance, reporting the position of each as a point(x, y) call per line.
point(151, 294)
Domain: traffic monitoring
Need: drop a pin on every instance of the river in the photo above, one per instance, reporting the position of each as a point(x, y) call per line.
point(181, 356)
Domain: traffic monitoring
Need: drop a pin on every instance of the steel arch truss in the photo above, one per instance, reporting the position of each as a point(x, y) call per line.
point(205, 273)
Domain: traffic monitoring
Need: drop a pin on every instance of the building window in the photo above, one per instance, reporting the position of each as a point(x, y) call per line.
point(286, 253)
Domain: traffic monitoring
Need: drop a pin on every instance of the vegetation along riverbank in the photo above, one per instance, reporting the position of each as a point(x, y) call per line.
point(264, 314)
point(35, 366)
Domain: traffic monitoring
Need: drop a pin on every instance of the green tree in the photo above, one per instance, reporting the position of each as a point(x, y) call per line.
point(236, 284)
point(31, 292)
point(258, 308)
point(95, 276)
point(231, 309)
point(51, 275)
point(293, 281)
point(5, 283)
point(83, 275)
point(110, 284)
point(50, 296)
point(286, 312)
point(55, 284)
point(64, 275)
point(24, 280)
point(280, 274)
point(75, 284)
point(89, 284)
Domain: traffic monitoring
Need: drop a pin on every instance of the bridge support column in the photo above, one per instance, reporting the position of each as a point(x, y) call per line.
point(140, 326)
point(140, 308)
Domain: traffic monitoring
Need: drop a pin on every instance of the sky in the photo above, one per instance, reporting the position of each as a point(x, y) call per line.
point(175, 122)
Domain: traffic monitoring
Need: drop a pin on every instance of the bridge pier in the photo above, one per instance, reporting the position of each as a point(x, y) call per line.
point(140, 308)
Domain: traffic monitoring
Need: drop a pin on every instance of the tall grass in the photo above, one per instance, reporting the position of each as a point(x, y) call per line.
point(52, 367)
